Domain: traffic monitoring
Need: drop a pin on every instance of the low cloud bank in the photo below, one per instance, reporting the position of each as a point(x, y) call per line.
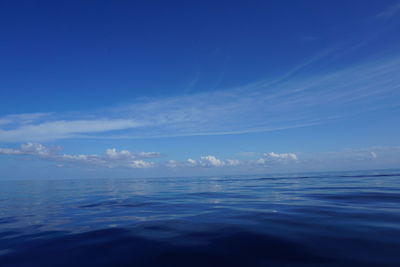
point(112, 158)
point(266, 159)
point(249, 161)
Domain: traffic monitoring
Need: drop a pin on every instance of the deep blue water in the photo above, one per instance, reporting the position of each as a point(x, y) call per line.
point(329, 219)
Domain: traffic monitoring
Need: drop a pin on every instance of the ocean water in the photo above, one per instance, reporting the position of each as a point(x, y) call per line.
point(320, 219)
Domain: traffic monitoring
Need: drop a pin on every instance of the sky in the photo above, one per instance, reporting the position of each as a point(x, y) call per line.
point(175, 88)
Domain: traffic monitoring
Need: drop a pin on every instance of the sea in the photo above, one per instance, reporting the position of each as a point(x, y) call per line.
point(317, 219)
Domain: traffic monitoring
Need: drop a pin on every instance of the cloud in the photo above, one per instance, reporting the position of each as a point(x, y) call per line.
point(113, 154)
point(149, 154)
point(21, 119)
point(30, 149)
point(364, 158)
point(284, 156)
point(272, 158)
point(141, 164)
point(112, 158)
point(61, 129)
point(191, 162)
point(287, 102)
point(374, 157)
point(210, 161)
point(389, 12)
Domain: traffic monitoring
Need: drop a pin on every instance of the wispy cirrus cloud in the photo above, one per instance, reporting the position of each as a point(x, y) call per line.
point(21, 119)
point(59, 129)
point(288, 102)
point(389, 12)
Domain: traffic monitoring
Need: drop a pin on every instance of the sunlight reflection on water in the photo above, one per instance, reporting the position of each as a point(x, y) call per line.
point(326, 214)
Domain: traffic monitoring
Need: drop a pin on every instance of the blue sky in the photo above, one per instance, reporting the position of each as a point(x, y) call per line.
point(154, 88)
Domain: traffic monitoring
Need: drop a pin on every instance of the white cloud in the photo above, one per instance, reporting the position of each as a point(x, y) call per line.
point(112, 153)
point(88, 159)
point(273, 158)
point(191, 162)
point(112, 158)
point(141, 164)
point(204, 161)
point(211, 161)
point(30, 149)
point(36, 149)
point(283, 156)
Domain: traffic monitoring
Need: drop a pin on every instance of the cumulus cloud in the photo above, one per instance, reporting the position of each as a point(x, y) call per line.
point(141, 164)
point(211, 161)
point(273, 158)
point(180, 164)
point(191, 162)
point(113, 154)
point(208, 161)
point(283, 156)
point(112, 157)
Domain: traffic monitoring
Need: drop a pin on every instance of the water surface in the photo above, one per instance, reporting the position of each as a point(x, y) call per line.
point(350, 218)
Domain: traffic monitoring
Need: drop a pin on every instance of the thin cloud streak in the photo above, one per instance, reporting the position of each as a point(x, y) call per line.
point(63, 129)
point(389, 12)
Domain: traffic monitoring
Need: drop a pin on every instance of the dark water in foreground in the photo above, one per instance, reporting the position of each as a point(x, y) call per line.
point(320, 219)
